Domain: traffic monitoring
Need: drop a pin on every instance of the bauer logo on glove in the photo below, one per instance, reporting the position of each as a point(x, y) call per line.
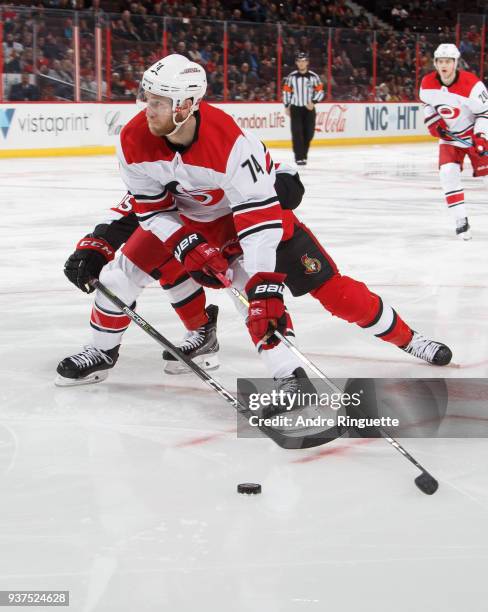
point(188, 242)
point(266, 312)
point(201, 260)
point(269, 289)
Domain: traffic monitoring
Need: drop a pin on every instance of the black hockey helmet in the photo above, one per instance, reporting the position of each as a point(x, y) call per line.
point(301, 55)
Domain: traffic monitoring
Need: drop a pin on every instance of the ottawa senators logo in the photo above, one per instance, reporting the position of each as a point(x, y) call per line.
point(311, 264)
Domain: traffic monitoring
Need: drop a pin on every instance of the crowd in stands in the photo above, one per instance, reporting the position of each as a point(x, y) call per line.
point(427, 16)
point(38, 55)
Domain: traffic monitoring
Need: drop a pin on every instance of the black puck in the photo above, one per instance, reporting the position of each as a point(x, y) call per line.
point(427, 483)
point(251, 488)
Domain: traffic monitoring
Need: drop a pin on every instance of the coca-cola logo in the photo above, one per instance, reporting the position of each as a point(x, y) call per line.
point(113, 123)
point(333, 119)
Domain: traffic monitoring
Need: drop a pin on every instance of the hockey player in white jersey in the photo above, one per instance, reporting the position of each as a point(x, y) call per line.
point(208, 192)
point(456, 112)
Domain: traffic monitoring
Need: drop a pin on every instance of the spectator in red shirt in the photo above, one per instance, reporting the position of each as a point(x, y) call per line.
point(130, 85)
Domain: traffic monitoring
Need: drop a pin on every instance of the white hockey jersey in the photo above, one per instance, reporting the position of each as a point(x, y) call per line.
point(463, 105)
point(224, 171)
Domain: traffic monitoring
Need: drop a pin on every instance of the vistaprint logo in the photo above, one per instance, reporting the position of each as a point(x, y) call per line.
point(6, 116)
point(53, 124)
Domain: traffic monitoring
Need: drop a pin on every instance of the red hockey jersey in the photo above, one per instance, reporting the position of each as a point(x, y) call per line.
point(463, 105)
point(225, 170)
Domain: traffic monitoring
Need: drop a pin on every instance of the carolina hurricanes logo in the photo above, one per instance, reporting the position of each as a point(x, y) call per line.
point(448, 112)
point(207, 197)
point(311, 264)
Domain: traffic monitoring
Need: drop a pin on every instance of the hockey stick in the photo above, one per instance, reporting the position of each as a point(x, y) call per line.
point(425, 481)
point(228, 285)
point(468, 143)
point(287, 442)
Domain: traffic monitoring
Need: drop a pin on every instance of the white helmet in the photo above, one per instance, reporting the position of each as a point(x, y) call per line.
point(447, 50)
point(176, 77)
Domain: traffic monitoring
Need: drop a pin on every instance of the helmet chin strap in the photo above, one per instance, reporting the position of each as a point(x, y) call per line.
point(179, 124)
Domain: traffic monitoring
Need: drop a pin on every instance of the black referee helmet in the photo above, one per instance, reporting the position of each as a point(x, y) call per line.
point(301, 55)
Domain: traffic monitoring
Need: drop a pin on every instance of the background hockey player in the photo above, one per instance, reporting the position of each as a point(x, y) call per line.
point(225, 203)
point(456, 101)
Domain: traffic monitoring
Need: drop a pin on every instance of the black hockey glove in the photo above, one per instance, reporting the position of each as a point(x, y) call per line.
point(289, 189)
point(87, 261)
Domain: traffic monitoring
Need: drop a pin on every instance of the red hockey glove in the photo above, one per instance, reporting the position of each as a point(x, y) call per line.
point(231, 250)
point(200, 260)
point(436, 127)
point(480, 143)
point(87, 261)
point(266, 307)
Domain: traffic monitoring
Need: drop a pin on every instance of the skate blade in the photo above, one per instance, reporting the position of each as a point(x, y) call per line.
point(206, 362)
point(96, 377)
point(465, 235)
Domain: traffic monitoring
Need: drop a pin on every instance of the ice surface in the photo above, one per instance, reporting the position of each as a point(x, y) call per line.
point(125, 494)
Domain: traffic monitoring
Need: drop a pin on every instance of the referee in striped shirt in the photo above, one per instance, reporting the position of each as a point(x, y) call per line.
point(301, 91)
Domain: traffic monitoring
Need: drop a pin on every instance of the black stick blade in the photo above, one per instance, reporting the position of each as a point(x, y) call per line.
point(427, 483)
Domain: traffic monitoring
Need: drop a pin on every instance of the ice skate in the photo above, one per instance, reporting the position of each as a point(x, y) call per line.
point(200, 345)
point(428, 350)
point(463, 229)
point(87, 367)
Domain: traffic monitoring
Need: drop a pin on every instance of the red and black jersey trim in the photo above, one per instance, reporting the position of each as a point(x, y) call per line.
point(148, 198)
point(378, 315)
point(109, 321)
point(115, 313)
point(147, 206)
point(392, 326)
point(259, 228)
point(454, 198)
point(456, 79)
point(269, 160)
point(182, 279)
point(107, 331)
point(157, 212)
point(269, 163)
point(432, 119)
point(466, 129)
point(251, 205)
point(188, 299)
